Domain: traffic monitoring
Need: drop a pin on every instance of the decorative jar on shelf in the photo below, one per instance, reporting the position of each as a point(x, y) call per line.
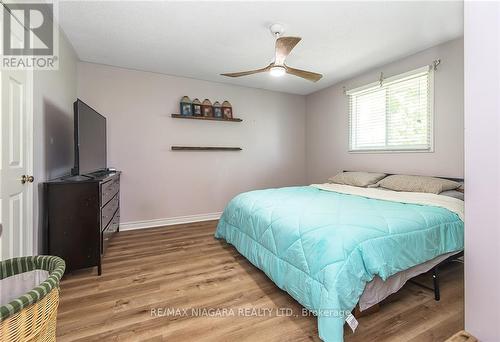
point(227, 110)
point(217, 110)
point(186, 106)
point(196, 107)
point(206, 108)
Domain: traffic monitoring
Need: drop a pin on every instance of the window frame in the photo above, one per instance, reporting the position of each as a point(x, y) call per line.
point(386, 81)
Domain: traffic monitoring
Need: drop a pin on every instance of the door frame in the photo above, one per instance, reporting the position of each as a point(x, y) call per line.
point(29, 223)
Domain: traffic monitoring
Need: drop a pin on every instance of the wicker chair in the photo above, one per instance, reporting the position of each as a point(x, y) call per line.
point(32, 317)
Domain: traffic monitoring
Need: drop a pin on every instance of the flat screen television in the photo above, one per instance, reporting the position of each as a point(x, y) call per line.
point(90, 139)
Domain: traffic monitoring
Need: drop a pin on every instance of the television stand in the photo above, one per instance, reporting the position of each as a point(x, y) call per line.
point(82, 213)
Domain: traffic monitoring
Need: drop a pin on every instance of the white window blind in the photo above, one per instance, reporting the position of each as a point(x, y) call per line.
point(393, 116)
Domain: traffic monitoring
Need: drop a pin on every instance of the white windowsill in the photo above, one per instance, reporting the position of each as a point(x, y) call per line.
point(390, 151)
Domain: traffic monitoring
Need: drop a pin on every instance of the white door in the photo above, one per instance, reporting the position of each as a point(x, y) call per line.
point(16, 131)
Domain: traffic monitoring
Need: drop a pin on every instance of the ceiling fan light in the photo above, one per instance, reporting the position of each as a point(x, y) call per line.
point(277, 71)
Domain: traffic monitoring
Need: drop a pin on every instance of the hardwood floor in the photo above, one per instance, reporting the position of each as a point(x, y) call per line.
point(184, 267)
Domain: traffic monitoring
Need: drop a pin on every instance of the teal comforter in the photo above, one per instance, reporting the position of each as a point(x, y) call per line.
point(322, 247)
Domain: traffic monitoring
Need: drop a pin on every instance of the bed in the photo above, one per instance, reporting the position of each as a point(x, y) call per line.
point(324, 243)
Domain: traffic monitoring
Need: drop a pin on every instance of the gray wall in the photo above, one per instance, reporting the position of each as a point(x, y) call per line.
point(160, 184)
point(482, 170)
point(53, 95)
point(328, 133)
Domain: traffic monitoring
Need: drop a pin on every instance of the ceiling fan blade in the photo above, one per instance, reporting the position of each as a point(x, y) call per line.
point(308, 75)
point(245, 73)
point(284, 45)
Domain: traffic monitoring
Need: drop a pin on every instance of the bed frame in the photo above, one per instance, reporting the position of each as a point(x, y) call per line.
point(435, 275)
point(435, 286)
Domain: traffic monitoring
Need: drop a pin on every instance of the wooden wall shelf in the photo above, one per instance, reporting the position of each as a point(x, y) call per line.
point(204, 148)
point(179, 116)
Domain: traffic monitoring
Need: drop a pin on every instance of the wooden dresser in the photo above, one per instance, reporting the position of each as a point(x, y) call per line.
point(81, 216)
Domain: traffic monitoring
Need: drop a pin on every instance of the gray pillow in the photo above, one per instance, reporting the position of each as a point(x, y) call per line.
point(418, 184)
point(454, 194)
point(362, 179)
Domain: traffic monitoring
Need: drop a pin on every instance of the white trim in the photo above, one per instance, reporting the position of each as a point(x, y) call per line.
point(427, 150)
point(30, 147)
point(431, 106)
point(169, 221)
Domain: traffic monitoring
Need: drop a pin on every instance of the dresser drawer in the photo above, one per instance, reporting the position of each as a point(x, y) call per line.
point(109, 190)
point(110, 230)
point(109, 210)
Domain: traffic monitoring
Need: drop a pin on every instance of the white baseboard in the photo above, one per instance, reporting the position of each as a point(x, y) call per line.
point(169, 221)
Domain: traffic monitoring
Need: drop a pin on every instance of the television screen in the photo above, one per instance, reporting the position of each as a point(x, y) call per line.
point(90, 139)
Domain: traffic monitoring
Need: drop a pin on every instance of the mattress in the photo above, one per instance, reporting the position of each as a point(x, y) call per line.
point(322, 244)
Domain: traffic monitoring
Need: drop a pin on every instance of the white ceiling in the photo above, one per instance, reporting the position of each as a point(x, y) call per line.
point(203, 39)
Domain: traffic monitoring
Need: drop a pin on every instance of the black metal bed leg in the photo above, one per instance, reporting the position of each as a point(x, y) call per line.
point(435, 279)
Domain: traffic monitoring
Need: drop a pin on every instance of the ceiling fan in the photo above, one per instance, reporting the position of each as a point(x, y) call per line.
point(284, 45)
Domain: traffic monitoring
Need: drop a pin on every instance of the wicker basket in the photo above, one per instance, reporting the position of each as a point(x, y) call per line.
point(32, 317)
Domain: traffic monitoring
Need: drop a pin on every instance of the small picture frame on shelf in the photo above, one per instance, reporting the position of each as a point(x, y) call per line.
point(186, 106)
point(227, 110)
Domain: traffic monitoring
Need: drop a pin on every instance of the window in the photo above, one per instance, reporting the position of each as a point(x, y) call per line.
point(392, 115)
